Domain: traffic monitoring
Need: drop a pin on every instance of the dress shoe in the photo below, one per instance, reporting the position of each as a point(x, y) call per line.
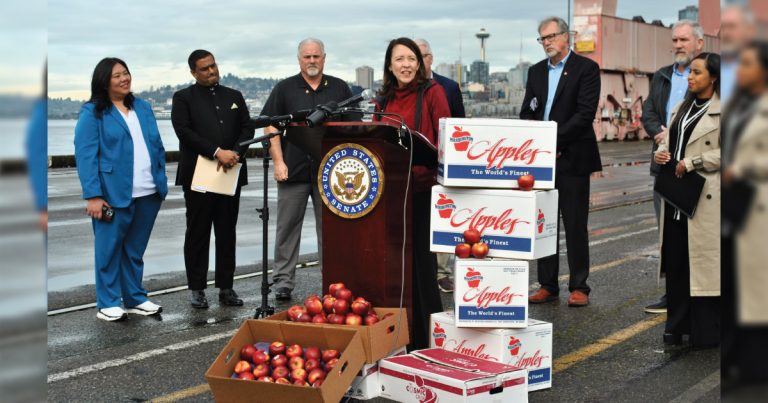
point(659, 307)
point(673, 339)
point(283, 294)
point(541, 296)
point(228, 297)
point(578, 299)
point(198, 300)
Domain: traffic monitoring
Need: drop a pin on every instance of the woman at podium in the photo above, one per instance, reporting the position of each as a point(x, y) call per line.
point(421, 102)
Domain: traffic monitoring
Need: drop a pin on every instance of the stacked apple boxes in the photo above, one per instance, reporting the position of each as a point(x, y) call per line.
point(497, 177)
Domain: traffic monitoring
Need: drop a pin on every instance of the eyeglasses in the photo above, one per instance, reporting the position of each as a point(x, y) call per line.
point(548, 38)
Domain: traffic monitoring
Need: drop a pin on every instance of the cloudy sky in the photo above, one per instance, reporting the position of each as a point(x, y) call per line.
point(259, 38)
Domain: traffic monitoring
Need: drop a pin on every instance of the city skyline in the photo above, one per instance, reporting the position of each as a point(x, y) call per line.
point(157, 48)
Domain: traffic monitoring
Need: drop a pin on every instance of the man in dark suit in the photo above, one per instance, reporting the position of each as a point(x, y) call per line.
point(210, 120)
point(565, 88)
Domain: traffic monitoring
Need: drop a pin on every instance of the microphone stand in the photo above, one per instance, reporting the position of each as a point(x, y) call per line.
point(265, 310)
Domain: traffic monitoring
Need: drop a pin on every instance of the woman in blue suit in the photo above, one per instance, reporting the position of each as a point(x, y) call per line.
point(121, 165)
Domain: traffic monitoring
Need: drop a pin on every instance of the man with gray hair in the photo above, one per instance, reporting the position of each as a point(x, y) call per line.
point(736, 30)
point(295, 169)
point(668, 88)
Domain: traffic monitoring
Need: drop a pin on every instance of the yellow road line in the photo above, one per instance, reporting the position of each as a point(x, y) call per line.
point(570, 359)
point(183, 394)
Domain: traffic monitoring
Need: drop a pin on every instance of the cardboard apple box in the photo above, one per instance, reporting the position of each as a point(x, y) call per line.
point(529, 348)
point(366, 385)
point(380, 339)
point(337, 381)
point(438, 375)
point(493, 153)
point(491, 293)
point(515, 224)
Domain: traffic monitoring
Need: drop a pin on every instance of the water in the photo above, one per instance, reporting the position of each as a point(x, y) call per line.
point(61, 136)
point(13, 132)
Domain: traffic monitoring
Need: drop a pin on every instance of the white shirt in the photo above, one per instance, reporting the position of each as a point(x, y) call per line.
point(143, 182)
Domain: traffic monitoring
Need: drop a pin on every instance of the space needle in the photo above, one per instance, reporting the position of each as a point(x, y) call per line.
point(482, 35)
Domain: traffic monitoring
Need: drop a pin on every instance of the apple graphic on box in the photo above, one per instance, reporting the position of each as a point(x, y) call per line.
point(540, 220)
point(445, 206)
point(439, 334)
point(466, 139)
point(514, 345)
point(525, 182)
point(473, 277)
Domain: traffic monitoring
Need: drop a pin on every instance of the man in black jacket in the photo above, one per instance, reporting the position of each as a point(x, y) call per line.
point(668, 88)
point(210, 120)
point(565, 88)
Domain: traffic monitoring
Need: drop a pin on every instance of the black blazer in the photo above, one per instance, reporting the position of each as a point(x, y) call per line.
point(205, 119)
point(574, 109)
point(453, 93)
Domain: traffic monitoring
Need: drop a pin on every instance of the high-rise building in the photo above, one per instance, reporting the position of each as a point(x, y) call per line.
point(455, 71)
point(478, 72)
point(689, 13)
point(364, 76)
point(518, 75)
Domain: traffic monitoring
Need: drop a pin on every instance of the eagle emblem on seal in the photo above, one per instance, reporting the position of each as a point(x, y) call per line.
point(350, 185)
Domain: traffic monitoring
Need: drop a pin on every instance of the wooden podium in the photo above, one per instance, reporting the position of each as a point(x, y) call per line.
point(366, 252)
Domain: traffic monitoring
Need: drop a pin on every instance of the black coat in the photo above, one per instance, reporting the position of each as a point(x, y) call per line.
point(655, 107)
point(206, 119)
point(574, 109)
point(453, 93)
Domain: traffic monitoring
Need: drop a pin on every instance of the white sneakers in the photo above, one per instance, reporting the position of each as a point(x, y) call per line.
point(146, 308)
point(117, 313)
point(112, 314)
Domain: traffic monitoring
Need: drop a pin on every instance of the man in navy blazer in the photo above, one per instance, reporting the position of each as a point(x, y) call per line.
point(565, 88)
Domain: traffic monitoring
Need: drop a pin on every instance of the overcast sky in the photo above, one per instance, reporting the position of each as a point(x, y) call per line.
point(259, 38)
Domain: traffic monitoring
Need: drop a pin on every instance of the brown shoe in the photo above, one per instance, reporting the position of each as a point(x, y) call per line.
point(578, 298)
point(542, 296)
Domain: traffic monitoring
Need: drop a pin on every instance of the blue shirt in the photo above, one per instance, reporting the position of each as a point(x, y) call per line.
point(554, 78)
point(727, 79)
point(678, 90)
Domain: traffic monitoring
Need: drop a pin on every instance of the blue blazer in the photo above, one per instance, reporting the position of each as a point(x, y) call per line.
point(453, 92)
point(104, 153)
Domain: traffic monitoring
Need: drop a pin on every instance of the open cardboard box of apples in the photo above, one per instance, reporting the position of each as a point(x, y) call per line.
point(233, 375)
point(382, 330)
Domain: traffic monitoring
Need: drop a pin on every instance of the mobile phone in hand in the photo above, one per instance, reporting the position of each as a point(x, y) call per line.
point(107, 213)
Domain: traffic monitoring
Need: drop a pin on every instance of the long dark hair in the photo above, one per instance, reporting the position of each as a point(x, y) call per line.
point(389, 83)
point(712, 64)
point(102, 75)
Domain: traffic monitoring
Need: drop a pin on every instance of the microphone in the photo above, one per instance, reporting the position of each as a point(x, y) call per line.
point(323, 112)
point(281, 120)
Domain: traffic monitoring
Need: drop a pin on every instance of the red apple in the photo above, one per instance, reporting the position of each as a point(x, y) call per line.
point(280, 372)
point(311, 364)
point(248, 376)
point(341, 306)
point(312, 353)
point(304, 317)
point(315, 375)
point(299, 382)
point(313, 305)
point(525, 182)
point(471, 236)
point(246, 353)
point(330, 364)
point(319, 318)
point(243, 366)
point(371, 320)
point(353, 319)
point(283, 381)
point(266, 379)
point(318, 383)
point(299, 374)
point(335, 287)
point(311, 297)
point(330, 354)
point(335, 319)
point(296, 362)
point(328, 303)
point(480, 250)
point(277, 347)
point(279, 360)
point(294, 350)
point(361, 307)
point(344, 293)
point(463, 250)
point(261, 370)
point(261, 357)
point(294, 311)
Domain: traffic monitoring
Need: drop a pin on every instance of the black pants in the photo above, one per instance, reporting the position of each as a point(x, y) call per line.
point(573, 204)
point(203, 211)
point(698, 317)
point(425, 294)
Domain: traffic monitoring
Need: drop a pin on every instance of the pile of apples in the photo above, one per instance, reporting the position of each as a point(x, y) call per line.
point(338, 307)
point(472, 245)
point(287, 365)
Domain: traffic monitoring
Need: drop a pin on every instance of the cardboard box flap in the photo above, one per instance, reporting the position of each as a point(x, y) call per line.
point(464, 362)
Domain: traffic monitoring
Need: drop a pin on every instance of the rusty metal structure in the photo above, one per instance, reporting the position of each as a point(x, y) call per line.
point(628, 52)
